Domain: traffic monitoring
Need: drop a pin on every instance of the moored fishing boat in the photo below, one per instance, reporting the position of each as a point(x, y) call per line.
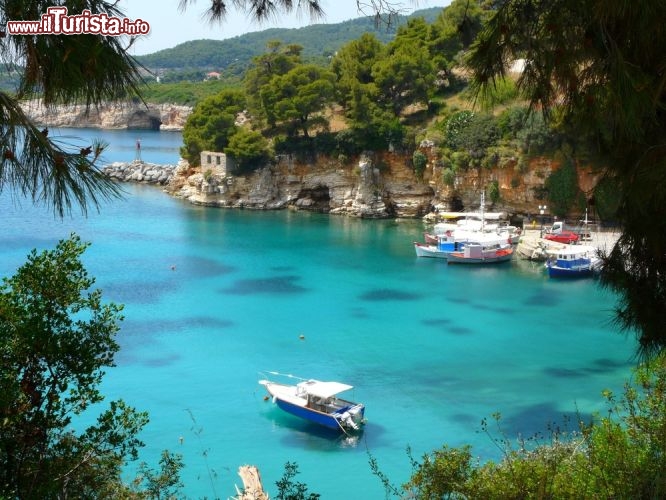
point(441, 246)
point(482, 253)
point(318, 402)
point(574, 261)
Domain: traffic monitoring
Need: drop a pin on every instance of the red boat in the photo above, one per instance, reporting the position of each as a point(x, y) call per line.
point(566, 237)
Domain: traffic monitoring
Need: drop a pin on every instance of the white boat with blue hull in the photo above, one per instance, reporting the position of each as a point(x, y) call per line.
point(318, 402)
point(573, 261)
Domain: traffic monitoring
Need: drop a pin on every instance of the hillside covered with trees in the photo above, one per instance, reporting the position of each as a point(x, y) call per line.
point(234, 55)
point(395, 96)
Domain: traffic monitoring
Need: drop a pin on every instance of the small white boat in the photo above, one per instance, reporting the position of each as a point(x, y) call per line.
point(441, 248)
point(318, 402)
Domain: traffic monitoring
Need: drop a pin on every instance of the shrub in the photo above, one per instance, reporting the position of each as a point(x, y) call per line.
point(454, 128)
point(562, 186)
point(493, 191)
point(448, 176)
point(420, 161)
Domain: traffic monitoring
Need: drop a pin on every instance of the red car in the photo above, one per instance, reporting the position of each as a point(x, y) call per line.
point(566, 237)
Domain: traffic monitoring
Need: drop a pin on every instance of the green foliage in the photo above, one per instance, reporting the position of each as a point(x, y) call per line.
point(479, 134)
point(443, 474)
point(308, 148)
point(296, 99)
point(448, 176)
point(317, 40)
point(536, 137)
point(562, 186)
point(84, 69)
point(248, 149)
point(454, 128)
point(607, 199)
point(452, 32)
point(186, 93)
point(352, 65)
point(597, 72)
point(503, 91)
point(290, 490)
point(460, 161)
point(403, 76)
point(493, 191)
point(277, 61)
point(56, 339)
point(211, 124)
point(163, 483)
point(511, 121)
point(420, 161)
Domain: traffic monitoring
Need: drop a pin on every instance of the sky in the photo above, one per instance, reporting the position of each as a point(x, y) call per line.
point(170, 27)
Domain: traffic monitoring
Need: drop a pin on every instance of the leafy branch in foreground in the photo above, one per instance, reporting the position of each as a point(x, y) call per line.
point(290, 490)
point(56, 339)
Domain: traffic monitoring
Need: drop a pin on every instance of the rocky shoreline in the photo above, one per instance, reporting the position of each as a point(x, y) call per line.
point(139, 171)
point(326, 187)
point(381, 185)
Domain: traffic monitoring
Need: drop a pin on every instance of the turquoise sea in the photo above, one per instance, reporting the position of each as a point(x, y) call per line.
point(213, 297)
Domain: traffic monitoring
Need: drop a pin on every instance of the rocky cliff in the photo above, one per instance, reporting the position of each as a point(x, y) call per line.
point(372, 186)
point(363, 189)
point(116, 115)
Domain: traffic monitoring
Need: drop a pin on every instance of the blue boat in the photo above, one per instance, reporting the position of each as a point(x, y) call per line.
point(573, 261)
point(318, 402)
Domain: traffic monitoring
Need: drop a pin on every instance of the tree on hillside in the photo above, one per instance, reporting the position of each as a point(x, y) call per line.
point(352, 66)
point(453, 31)
point(597, 69)
point(277, 61)
point(403, 76)
point(56, 339)
point(248, 148)
point(211, 124)
point(296, 99)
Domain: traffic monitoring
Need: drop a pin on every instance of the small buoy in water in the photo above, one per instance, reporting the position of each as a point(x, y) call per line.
point(173, 268)
point(301, 336)
point(266, 398)
point(181, 439)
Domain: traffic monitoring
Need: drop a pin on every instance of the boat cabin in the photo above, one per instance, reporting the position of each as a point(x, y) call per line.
point(322, 396)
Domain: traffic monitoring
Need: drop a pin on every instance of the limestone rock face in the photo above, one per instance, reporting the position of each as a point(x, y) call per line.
point(110, 116)
point(372, 186)
point(327, 186)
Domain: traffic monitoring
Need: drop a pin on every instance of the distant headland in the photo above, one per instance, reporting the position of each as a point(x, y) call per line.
point(112, 115)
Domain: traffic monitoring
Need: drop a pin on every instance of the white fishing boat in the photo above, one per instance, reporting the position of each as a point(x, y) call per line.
point(317, 401)
point(574, 261)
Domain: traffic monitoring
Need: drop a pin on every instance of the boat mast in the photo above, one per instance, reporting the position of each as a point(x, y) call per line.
point(482, 209)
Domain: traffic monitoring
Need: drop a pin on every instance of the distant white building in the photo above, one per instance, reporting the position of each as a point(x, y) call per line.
point(217, 163)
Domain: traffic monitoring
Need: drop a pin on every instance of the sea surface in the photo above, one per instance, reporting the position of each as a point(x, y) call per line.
point(215, 297)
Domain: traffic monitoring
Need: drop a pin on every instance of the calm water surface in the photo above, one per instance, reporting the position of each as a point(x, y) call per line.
point(213, 297)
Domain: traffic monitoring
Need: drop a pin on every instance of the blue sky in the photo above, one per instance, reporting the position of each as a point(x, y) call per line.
point(169, 27)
